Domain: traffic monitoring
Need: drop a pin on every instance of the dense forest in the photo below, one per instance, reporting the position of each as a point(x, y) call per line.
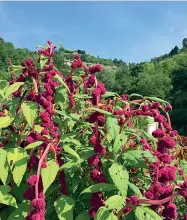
point(164, 76)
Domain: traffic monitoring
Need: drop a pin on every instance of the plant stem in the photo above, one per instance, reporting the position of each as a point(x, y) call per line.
point(147, 201)
point(39, 169)
point(22, 132)
point(35, 85)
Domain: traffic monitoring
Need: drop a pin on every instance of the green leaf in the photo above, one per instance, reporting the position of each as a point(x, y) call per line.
point(33, 145)
point(18, 191)
point(6, 198)
point(136, 158)
point(112, 127)
point(71, 140)
point(120, 177)
point(30, 112)
point(149, 136)
point(43, 61)
point(38, 128)
point(61, 97)
point(64, 206)
point(120, 140)
point(59, 78)
point(49, 174)
point(83, 216)
point(134, 190)
point(114, 202)
point(5, 121)
point(104, 214)
point(68, 165)
point(157, 100)
point(13, 106)
point(13, 88)
point(130, 216)
point(21, 212)
point(144, 213)
point(135, 94)
point(100, 187)
point(17, 159)
point(110, 94)
point(99, 110)
point(3, 166)
point(69, 150)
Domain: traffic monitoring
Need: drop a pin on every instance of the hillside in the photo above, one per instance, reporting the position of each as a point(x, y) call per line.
point(164, 76)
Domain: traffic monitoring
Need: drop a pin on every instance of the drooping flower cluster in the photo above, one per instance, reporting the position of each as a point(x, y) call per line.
point(49, 133)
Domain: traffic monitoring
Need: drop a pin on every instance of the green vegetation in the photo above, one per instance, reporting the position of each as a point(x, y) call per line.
point(164, 77)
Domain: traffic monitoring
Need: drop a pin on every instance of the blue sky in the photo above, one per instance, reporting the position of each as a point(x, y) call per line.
point(131, 31)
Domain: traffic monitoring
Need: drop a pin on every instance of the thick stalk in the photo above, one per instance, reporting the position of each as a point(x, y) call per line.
point(147, 201)
point(39, 169)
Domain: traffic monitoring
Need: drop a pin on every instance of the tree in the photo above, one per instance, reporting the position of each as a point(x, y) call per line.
point(154, 82)
point(184, 43)
point(174, 51)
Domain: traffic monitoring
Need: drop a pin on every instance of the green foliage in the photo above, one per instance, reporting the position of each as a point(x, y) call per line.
point(49, 174)
point(64, 206)
point(103, 213)
point(29, 110)
point(6, 198)
point(144, 213)
point(86, 164)
point(120, 177)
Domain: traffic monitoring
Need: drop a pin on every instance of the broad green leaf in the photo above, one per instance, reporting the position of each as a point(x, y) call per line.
point(136, 158)
point(13, 106)
point(81, 96)
point(21, 212)
point(100, 187)
point(71, 140)
point(13, 88)
point(38, 128)
point(134, 190)
point(3, 166)
point(136, 95)
point(69, 150)
point(157, 100)
point(5, 121)
point(110, 94)
point(83, 216)
point(68, 135)
point(62, 81)
point(17, 159)
point(114, 202)
point(145, 213)
point(68, 165)
point(18, 191)
point(130, 216)
point(120, 140)
point(104, 214)
point(6, 198)
point(99, 110)
point(112, 127)
point(49, 174)
point(30, 112)
point(64, 206)
point(149, 136)
point(61, 97)
point(120, 177)
point(33, 145)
